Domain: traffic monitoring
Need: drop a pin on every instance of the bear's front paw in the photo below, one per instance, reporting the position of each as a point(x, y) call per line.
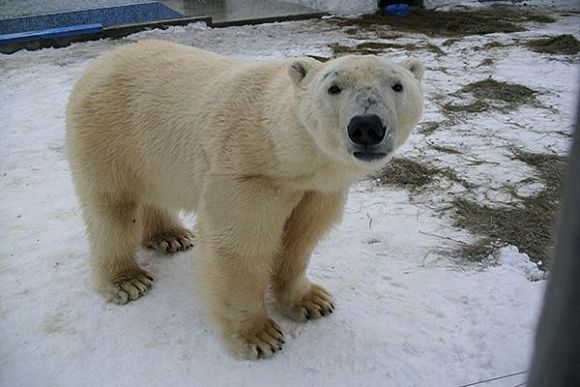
point(259, 342)
point(128, 287)
point(171, 242)
point(314, 304)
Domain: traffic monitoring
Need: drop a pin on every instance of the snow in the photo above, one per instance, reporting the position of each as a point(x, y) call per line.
point(407, 313)
point(509, 256)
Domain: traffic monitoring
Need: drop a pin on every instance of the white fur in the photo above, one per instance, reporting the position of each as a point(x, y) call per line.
point(258, 149)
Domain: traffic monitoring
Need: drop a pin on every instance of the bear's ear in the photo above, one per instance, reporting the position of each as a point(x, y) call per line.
point(415, 67)
point(299, 68)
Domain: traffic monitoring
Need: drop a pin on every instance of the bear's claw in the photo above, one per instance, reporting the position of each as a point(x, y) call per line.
point(170, 243)
point(130, 288)
point(260, 343)
point(316, 303)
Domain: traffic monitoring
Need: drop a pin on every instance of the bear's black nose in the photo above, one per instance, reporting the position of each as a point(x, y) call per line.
point(366, 130)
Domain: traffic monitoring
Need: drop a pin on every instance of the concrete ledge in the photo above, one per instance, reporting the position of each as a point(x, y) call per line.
point(106, 33)
point(107, 16)
point(125, 30)
point(272, 19)
point(50, 33)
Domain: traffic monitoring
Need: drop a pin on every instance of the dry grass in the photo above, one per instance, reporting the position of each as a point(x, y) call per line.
point(450, 42)
point(405, 173)
point(376, 46)
point(490, 45)
point(478, 251)
point(451, 23)
point(409, 174)
point(373, 48)
point(527, 225)
point(486, 62)
point(488, 91)
point(429, 127)
point(558, 45)
point(445, 149)
point(491, 89)
point(475, 107)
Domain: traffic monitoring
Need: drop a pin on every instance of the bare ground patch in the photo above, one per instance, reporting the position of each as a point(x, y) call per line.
point(528, 224)
point(409, 174)
point(446, 23)
point(486, 62)
point(474, 107)
point(373, 48)
point(491, 45)
point(491, 89)
point(557, 45)
point(429, 127)
point(490, 93)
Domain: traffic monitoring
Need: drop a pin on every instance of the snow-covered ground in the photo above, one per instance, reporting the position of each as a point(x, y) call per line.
point(407, 314)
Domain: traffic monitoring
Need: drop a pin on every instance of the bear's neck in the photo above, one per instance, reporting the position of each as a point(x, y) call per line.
point(299, 163)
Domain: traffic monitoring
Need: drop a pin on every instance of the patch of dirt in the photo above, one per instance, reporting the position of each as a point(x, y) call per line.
point(540, 17)
point(558, 45)
point(428, 128)
point(478, 251)
point(486, 62)
point(488, 91)
point(527, 225)
point(491, 89)
point(490, 45)
point(449, 23)
point(373, 48)
point(406, 173)
point(445, 149)
point(450, 42)
point(475, 107)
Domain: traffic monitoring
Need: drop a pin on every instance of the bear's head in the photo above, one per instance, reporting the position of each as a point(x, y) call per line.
point(358, 109)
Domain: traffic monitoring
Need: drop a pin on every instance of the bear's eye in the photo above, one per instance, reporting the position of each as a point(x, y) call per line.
point(334, 89)
point(398, 87)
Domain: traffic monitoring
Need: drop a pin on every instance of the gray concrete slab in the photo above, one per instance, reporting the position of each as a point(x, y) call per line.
point(219, 10)
point(235, 10)
point(21, 8)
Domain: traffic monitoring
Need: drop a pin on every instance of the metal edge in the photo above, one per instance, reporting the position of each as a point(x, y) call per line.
point(118, 32)
point(107, 33)
point(272, 19)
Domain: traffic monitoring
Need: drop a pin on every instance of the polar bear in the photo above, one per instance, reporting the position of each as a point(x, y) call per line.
point(263, 151)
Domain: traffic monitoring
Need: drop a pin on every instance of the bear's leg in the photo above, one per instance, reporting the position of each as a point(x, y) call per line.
point(297, 297)
point(239, 230)
point(164, 232)
point(115, 228)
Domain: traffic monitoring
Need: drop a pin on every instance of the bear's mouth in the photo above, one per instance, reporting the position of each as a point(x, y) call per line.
point(370, 153)
point(369, 156)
